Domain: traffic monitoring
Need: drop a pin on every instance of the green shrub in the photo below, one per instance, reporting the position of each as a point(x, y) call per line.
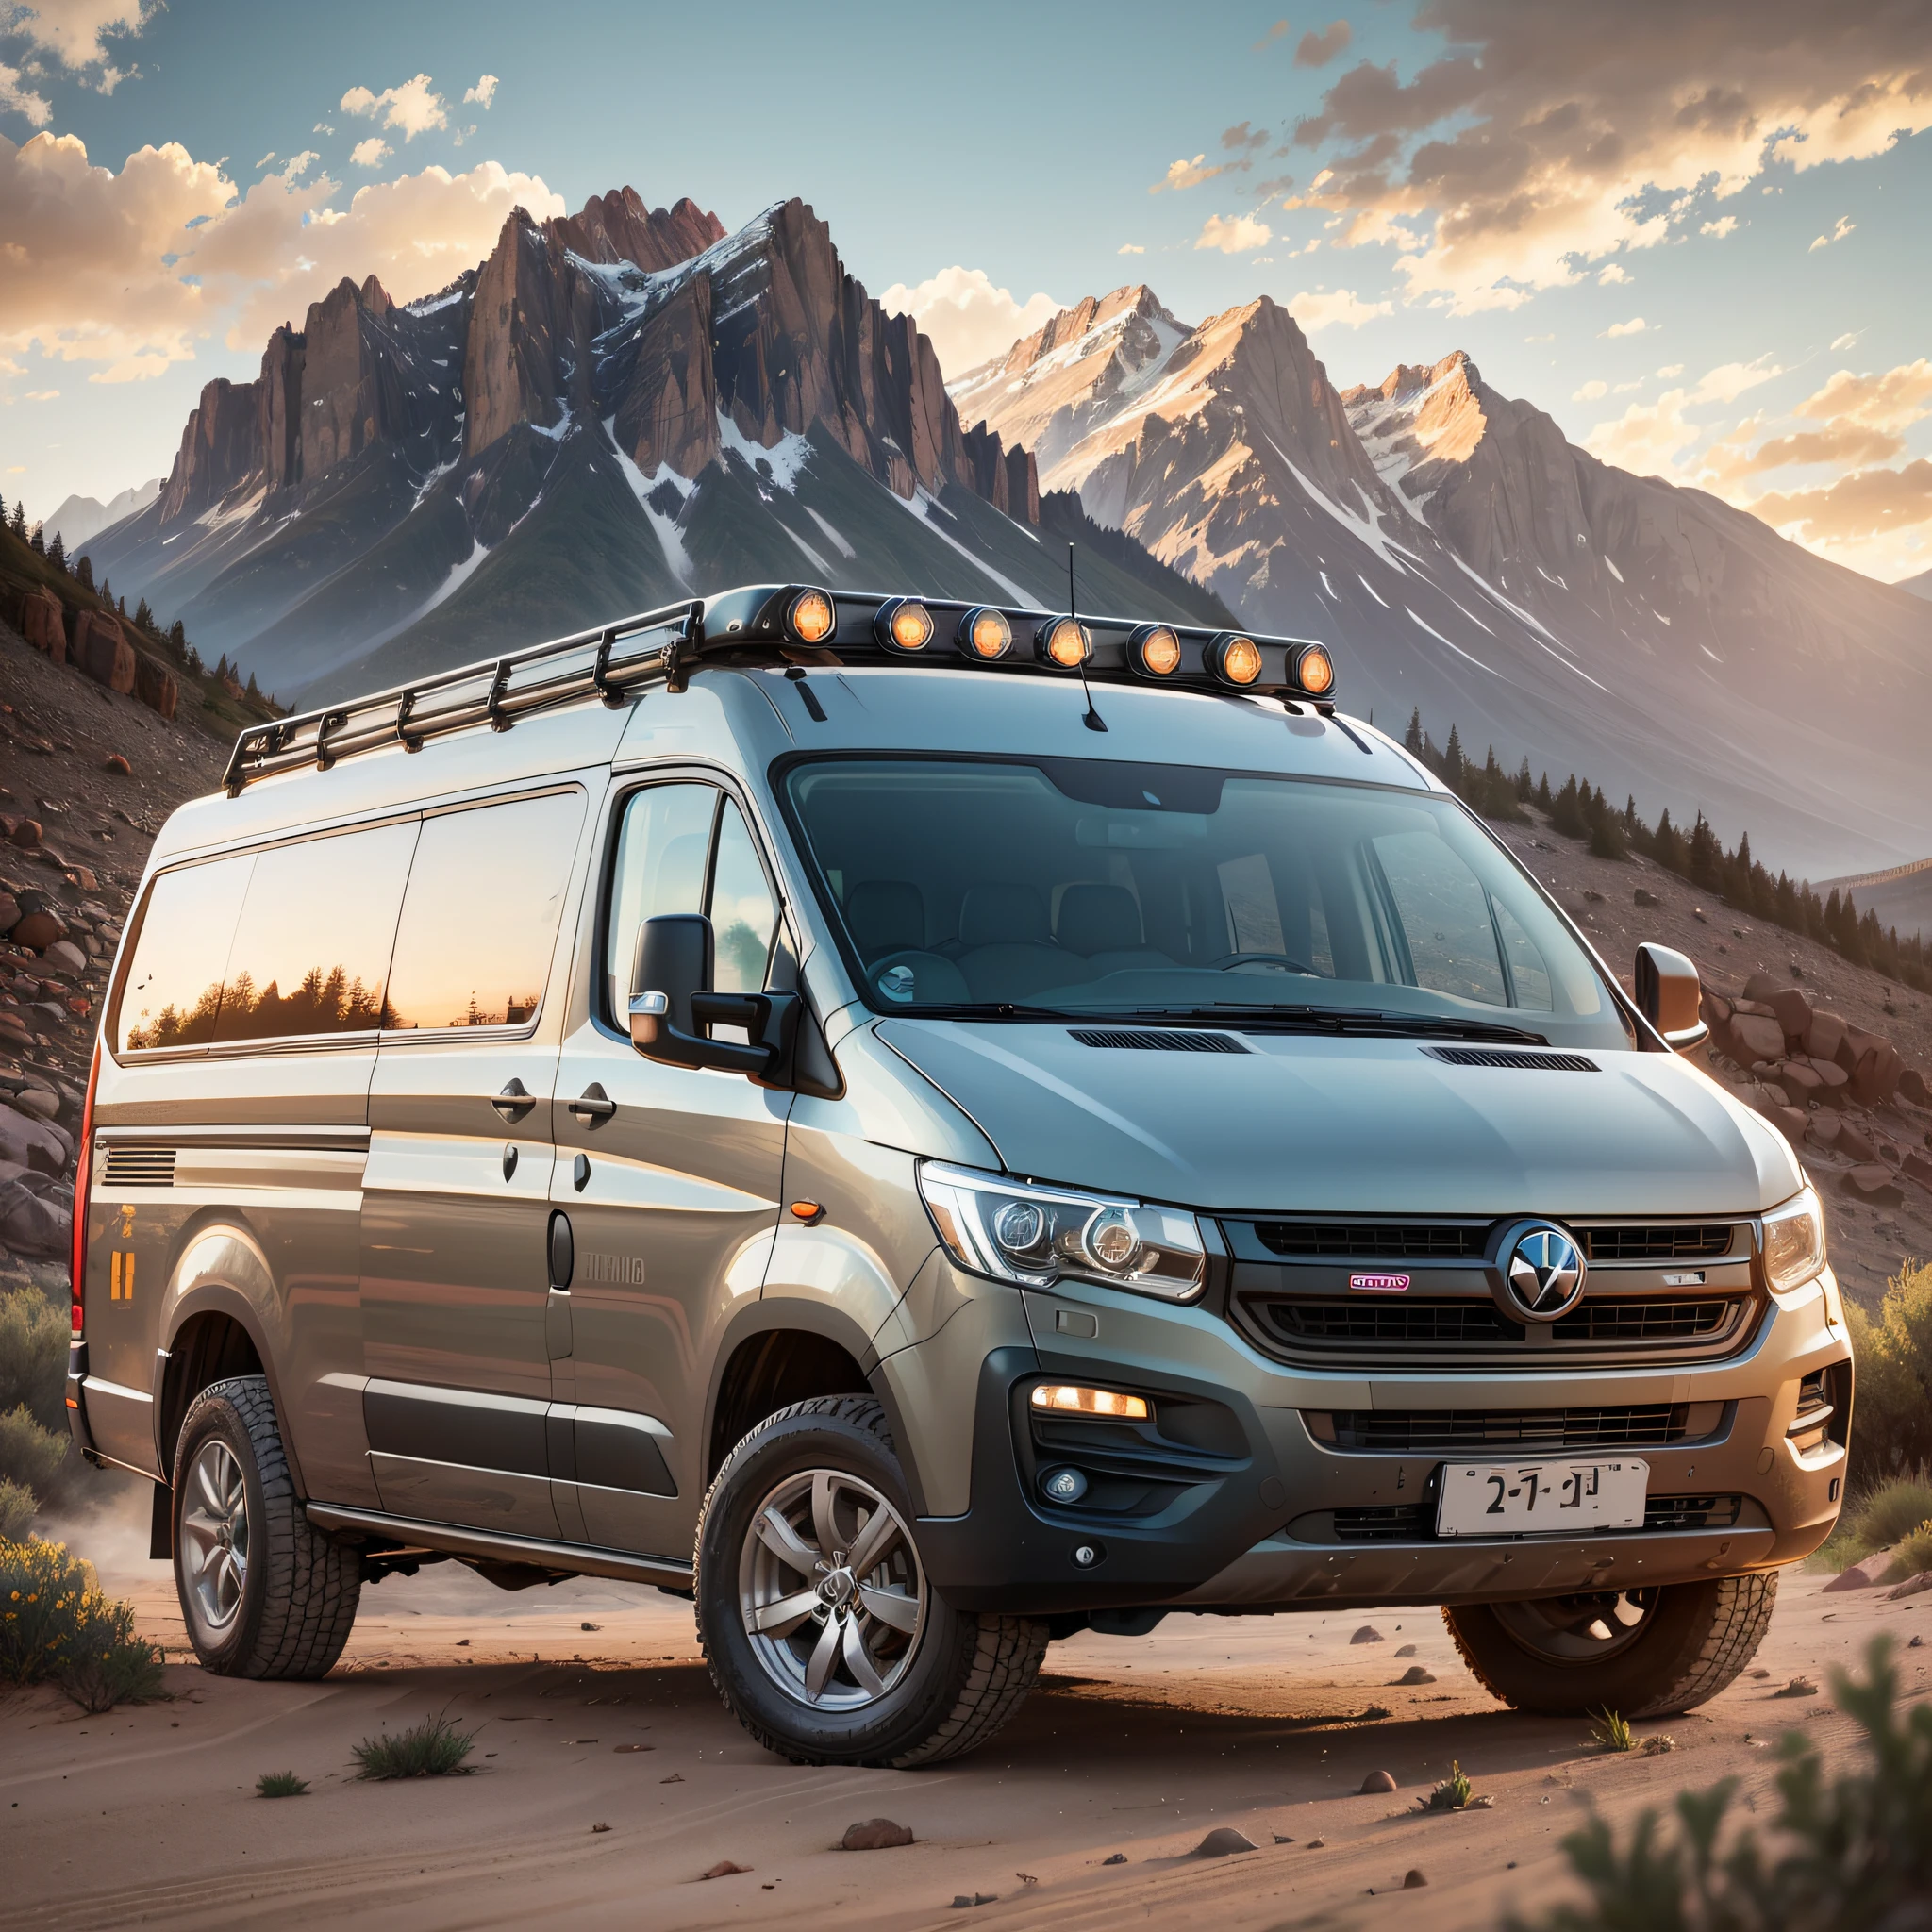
point(1891, 1416)
point(33, 1356)
point(56, 1626)
point(1453, 1794)
point(1915, 1551)
point(29, 1455)
point(280, 1784)
point(1851, 1854)
point(19, 1506)
point(1606, 840)
point(1890, 1513)
point(434, 1748)
point(1612, 1732)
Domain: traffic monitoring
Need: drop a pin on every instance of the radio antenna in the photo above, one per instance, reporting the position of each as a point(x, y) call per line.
point(1093, 721)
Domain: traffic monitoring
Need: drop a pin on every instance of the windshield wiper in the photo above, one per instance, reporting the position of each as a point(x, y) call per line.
point(1345, 1021)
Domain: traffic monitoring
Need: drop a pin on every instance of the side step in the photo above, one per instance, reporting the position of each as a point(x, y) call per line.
point(584, 1558)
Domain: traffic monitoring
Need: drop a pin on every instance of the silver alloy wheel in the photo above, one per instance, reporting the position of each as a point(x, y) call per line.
point(831, 1591)
point(1586, 1629)
point(214, 1534)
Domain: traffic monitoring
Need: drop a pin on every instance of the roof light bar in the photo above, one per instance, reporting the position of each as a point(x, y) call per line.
point(1315, 669)
point(811, 617)
point(985, 635)
point(1064, 642)
point(1234, 658)
point(1155, 651)
point(903, 625)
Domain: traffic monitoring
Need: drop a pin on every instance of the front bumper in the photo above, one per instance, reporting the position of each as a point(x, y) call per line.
point(1254, 1513)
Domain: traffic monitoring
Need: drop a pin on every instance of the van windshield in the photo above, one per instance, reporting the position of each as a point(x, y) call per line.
point(962, 886)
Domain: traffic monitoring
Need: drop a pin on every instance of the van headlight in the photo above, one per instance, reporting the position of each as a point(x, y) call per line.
point(1035, 1236)
point(1795, 1241)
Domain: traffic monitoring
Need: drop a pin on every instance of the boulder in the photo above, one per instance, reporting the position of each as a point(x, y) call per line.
point(1378, 1781)
point(1833, 1082)
point(1801, 1084)
point(25, 834)
point(1855, 1144)
point(1913, 1084)
point(102, 650)
point(1867, 1574)
point(41, 624)
point(36, 1101)
point(155, 685)
point(874, 1835)
point(1918, 1166)
point(1647, 898)
point(1875, 1078)
point(66, 959)
point(1793, 1011)
point(1875, 1183)
point(1756, 1038)
point(31, 1144)
point(9, 913)
point(30, 1224)
point(1793, 1122)
point(1760, 986)
point(36, 931)
point(1824, 1035)
point(117, 764)
point(1827, 1128)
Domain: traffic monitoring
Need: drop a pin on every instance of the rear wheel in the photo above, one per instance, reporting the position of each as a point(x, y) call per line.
point(263, 1592)
point(823, 1634)
point(1640, 1653)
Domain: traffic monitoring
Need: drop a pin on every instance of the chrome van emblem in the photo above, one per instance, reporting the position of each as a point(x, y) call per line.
point(1539, 1272)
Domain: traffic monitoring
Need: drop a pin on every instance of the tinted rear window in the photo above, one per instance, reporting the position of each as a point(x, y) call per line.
point(173, 991)
point(311, 950)
point(480, 914)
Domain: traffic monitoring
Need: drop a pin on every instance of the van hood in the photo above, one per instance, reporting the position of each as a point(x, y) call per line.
point(1364, 1126)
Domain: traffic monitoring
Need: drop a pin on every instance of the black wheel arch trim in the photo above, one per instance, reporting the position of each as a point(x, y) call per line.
point(219, 1298)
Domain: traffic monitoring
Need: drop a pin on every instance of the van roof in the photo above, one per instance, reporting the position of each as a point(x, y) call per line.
point(799, 625)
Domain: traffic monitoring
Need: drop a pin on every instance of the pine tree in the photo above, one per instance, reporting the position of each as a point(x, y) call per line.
point(178, 639)
point(121, 606)
point(1566, 815)
point(106, 593)
point(84, 571)
point(57, 553)
point(1412, 738)
point(38, 542)
point(1543, 798)
point(1525, 785)
point(143, 617)
point(19, 524)
point(1452, 758)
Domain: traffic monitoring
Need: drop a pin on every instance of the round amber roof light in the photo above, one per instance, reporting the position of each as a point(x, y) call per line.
point(811, 618)
point(1234, 658)
point(1155, 651)
point(1314, 671)
point(1063, 643)
point(904, 624)
point(985, 634)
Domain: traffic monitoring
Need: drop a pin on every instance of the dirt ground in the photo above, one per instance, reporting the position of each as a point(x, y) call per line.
point(1132, 1746)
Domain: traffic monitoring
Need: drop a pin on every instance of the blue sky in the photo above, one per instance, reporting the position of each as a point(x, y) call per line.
point(1524, 182)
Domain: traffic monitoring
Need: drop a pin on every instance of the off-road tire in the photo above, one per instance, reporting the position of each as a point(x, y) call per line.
point(970, 1673)
point(299, 1600)
point(1700, 1637)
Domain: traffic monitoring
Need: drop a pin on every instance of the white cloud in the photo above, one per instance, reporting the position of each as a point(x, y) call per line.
point(1648, 437)
point(1725, 225)
point(371, 153)
point(1130, 248)
point(1591, 391)
point(1730, 380)
point(1634, 327)
point(484, 92)
point(967, 319)
point(1325, 307)
point(126, 272)
point(42, 395)
point(1888, 402)
point(265, 160)
point(1671, 369)
point(74, 32)
point(1235, 236)
point(36, 109)
point(1845, 227)
point(1613, 274)
point(1846, 341)
point(322, 128)
point(1540, 143)
point(1186, 175)
point(413, 109)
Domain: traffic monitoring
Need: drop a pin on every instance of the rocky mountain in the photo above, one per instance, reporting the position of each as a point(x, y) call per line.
point(1464, 557)
point(615, 410)
point(82, 517)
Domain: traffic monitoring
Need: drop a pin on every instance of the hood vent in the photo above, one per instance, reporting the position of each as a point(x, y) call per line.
point(1514, 1059)
point(1156, 1039)
point(139, 1167)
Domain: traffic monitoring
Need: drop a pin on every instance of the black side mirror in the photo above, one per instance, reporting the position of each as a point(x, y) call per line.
point(673, 1008)
point(1670, 997)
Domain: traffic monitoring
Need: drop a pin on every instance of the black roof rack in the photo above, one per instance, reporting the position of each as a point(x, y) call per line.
point(763, 623)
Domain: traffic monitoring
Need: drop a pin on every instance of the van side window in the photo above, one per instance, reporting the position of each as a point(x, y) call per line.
point(743, 912)
point(313, 947)
point(687, 848)
point(173, 994)
point(480, 914)
point(664, 852)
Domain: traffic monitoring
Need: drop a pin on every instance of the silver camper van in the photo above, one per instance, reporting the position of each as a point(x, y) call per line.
point(927, 1130)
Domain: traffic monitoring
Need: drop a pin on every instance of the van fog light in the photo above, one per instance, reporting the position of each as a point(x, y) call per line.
point(1063, 1486)
point(1067, 1398)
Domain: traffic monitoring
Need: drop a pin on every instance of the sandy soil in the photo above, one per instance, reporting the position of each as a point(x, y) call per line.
point(1136, 1746)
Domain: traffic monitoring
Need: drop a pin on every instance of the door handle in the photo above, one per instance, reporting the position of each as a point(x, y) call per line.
point(514, 1101)
point(593, 1105)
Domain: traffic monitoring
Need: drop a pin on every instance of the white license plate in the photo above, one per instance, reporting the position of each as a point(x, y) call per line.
point(1541, 1498)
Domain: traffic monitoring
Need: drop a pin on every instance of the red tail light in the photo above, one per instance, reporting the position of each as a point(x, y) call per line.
point(83, 1176)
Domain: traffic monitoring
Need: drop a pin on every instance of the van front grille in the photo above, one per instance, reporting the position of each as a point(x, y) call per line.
point(1692, 1242)
point(139, 1167)
point(1377, 1241)
point(1413, 1522)
point(1474, 1321)
point(1562, 1431)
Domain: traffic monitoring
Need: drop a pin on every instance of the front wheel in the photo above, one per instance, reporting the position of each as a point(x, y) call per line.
point(824, 1635)
point(1640, 1653)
